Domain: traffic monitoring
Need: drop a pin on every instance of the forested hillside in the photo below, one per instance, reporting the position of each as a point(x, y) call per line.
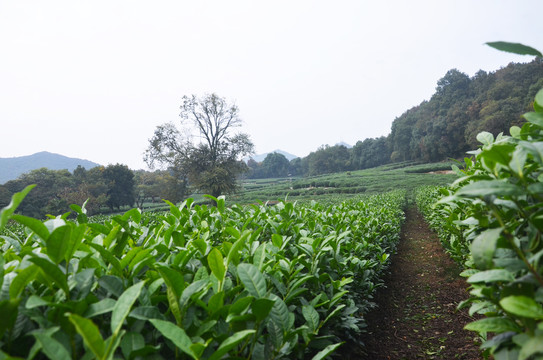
point(444, 126)
point(447, 124)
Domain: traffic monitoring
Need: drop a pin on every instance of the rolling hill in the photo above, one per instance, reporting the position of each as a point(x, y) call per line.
point(12, 168)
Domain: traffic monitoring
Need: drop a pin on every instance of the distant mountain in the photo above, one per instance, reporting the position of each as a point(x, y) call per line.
point(11, 168)
point(261, 157)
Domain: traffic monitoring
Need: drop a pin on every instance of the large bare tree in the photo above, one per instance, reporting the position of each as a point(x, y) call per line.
point(205, 148)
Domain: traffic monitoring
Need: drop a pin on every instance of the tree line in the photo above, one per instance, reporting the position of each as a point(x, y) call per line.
point(102, 189)
point(443, 127)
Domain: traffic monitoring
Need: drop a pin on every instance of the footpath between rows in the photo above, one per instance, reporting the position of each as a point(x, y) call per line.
point(416, 316)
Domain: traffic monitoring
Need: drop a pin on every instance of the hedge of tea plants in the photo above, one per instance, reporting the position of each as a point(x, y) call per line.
point(197, 282)
point(491, 220)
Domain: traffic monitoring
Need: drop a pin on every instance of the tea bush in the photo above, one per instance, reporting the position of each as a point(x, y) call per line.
point(260, 282)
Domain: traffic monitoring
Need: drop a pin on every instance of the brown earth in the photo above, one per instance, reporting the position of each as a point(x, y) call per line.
point(416, 316)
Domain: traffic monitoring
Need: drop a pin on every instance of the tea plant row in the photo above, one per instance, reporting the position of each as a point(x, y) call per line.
point(491, 221)
point(197, 282)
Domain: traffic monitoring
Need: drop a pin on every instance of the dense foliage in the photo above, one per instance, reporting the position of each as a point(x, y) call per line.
point(199, 282)
point(111, 186)
point(274, 165)
point(447, 124)
point(491, 221)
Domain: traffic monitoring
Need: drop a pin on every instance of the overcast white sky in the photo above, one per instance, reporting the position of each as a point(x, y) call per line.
point(92, 79)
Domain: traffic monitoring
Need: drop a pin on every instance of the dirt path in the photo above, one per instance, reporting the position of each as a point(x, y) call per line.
point(417, 317)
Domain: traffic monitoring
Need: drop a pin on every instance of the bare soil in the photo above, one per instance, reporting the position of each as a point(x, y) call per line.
point(416, 316)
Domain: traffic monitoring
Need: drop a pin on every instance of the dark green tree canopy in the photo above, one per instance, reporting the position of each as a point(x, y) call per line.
point(205, 147)
point(120, 183)
point(275, 165)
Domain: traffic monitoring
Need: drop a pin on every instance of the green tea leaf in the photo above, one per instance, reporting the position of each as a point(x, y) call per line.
point(33, 224)
point(215, 261)
point(277, 240)
point(233, 254)
point(515, 48)
point(198, 349)
point(8, 313)
point(490, 187)
point(539, 98)
point(491, 276)
point(146, 313)
point(261, 308)
point(252, 279)
point(240, 305)
point(205, 327)
point(311, 316)
point(131, 342)
point(23, 277)
point(522, 306)
point(108, 256)
point(101, 307)
point(326, 351)
point(57, 243)
point(15, 244)
point(192, 289)
point(279, 313)
point(493, 324)
point(123, 305)
point(514, 131)
point(174, 209)
point(216, 302)
point(111, 283)
point(52, 347)
point(34, 301)
point(230, 343)
point(84, 283)
point(534, 118)
point(141, 257)
point(112, 343)
point(485, 138)
point(53, 272)
point(90, 334)
point(533, 346)
point(535, 149)
point(484, 247)
point(518, 161)
point(499, 153)
point(260, 256)
point(173, 279)
point(78, 232)
point(506, 354)
point(175, 334)
point(111, 234)
point(129, 256)
point(16, 199)
point(173, 302)
point(333, 313)
point(133, 213)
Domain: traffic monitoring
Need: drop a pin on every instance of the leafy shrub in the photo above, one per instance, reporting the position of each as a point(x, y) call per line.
point(201, 282)
point(495, 210)
point(445, 220)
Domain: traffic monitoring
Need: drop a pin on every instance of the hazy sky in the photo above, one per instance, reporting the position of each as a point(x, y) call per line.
point(92, 79)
